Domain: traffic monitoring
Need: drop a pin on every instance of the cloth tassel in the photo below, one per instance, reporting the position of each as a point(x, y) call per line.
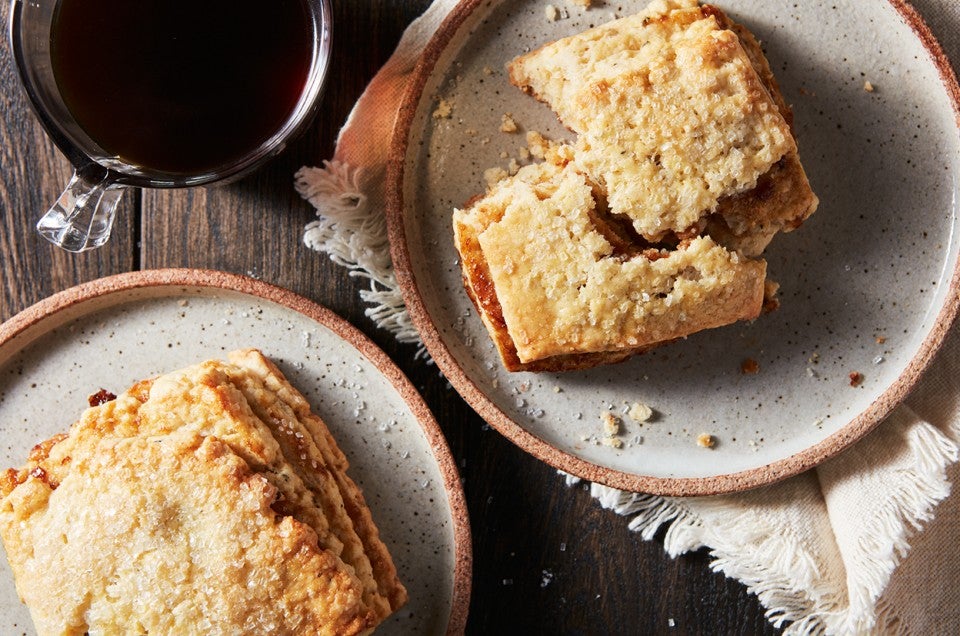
point(355, 237)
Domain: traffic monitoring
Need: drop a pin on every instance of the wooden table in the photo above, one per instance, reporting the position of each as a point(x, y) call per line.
point(525, 521)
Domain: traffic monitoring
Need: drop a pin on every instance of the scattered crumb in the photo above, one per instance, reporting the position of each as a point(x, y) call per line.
point(770, 301)
point(557, 389)
point(484, 141)
point(706, 440)
point(611, 423)
point(612, 442)
point(583, 4)
point(184, 302)
point(818, 422)
point(513, 167)
point(749, 367)
point(881, 340)
point(546, 577)
point(640, 412)
point(494, 175)
point(671, 622)
point(563, 547)
point(551, 13)
point(867, 86)
point(504, 154)
point(487, 70)
point(444, 110)
point(524, 387)
point(856, 378)
point(524, 153)
point(815, 358)
point(811, 373)
point(507, 124)
point(537, 144)
point(878, 359)
point(470, 132)
point(753, 446)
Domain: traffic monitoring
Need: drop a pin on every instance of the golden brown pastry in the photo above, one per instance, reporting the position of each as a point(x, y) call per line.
point(552, 279)
point(676, 112)
point(647, 227)
point(208, 500)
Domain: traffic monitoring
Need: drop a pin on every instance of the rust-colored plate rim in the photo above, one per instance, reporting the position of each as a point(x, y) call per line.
point(199, 278)
point(719, 484)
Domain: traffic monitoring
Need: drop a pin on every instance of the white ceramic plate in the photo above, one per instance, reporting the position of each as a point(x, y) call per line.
point(115, 331)
point(868, 284)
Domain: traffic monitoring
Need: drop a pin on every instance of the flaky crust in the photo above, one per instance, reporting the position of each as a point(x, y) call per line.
point(647, 229)
point(246, 412)
point(679, 117)
point(671, 115)
point(553, 284)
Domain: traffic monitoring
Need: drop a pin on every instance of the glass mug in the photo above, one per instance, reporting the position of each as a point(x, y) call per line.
point(82, 217)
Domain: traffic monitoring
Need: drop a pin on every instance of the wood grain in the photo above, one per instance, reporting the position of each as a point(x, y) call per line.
point(547, 558)
point(32, 175)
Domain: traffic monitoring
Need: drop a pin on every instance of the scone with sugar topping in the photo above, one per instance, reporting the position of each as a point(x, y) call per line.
point(646, 228)
point(679, 120)
point(208, 500)
point(560, 286)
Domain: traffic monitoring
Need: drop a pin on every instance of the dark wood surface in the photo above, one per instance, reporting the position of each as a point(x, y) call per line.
point(525, 521)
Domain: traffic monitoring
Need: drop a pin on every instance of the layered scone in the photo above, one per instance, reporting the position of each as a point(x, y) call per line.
point(209, 500)
point(647, 227)
point(680, 121)
point(560, 285)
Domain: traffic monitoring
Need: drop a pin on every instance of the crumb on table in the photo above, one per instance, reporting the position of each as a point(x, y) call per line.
point(706, 440)
point(856, 378)
point(550, 12)
point(507, 124)
point(867, 86)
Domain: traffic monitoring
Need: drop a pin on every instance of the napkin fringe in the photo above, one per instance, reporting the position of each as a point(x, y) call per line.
point(776, 568)
point(886, 539)
point(355, 237)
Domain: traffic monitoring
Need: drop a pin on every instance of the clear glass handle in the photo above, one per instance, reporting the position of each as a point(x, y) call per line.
point(81, 218)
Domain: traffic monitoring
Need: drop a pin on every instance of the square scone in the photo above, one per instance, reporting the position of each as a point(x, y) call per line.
point(561, 286)
point(680, 121)
point(207, 500)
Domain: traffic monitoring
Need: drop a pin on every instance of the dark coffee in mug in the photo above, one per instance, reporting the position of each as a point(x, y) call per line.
point(181, 87)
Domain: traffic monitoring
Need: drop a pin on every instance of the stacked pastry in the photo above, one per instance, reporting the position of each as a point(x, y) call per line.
point(648, 226)
point(210, 501)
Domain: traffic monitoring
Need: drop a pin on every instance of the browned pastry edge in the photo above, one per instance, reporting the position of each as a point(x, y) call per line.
point(783, 189)
point(384, 570)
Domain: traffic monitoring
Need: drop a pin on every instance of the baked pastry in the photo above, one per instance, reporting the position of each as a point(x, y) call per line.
point(646, 228)
point(208, 500)
point(679, 120)
point(561, 287)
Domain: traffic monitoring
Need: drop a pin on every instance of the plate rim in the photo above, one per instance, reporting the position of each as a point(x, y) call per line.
point(99, 288)
point(727, 483)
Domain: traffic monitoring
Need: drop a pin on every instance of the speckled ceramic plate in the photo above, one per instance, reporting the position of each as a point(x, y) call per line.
point(868, 284)
point(114, 331)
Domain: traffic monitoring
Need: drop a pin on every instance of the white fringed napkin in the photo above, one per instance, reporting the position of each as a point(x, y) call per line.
point(826, 551)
